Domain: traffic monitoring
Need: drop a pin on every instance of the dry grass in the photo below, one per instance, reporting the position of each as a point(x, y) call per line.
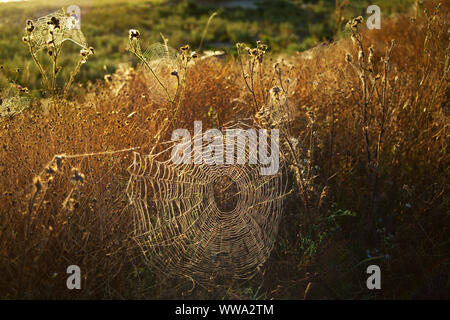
point(380, 156)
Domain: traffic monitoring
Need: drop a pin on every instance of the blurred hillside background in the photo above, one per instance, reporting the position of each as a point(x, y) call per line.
point(286, 26)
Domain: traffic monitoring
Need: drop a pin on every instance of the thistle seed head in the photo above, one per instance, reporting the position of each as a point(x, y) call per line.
point(77, 176)
point(54, 22)
point(348, 57)
point(30, 26)
point(134, 34)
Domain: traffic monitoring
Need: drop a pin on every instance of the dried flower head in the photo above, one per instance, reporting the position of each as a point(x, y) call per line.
point(30, 26)
point(84, 53)
point(311, 116)
point(59, 161)
point(276, 90)
point(358, 19)
point(77, 176)
point(253, 52)
point(348, 57)
point(54, 23)
point(354, 23)
point(134, 34)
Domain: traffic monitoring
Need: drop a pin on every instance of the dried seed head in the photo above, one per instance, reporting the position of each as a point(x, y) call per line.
point(59, 161)
point(30, 26)
point(54, 22)
point(276, 90)
point(70, 204)
point(253, 52)
point(311, 116)
point(134, 34)
point(353, 24)
point(55, 165)
point(358, 19)
point(84, 53)
point(77, 176)
point(50, 169)
point(348, 57)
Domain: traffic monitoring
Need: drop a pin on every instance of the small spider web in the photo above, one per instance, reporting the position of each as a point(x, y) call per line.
point(163, 60)
point(68, 31)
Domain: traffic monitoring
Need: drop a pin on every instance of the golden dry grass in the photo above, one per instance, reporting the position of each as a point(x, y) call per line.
point(405, 191)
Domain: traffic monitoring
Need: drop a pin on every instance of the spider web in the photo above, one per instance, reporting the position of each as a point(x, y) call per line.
point(69, 30)
point(158, 54)
point(182, 228)
point(13, 105)
point(163, 60)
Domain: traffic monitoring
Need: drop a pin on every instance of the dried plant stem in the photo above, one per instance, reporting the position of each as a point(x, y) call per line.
point(37, 63)
point(206, 30)
point(180, 99)
point(72, 78)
